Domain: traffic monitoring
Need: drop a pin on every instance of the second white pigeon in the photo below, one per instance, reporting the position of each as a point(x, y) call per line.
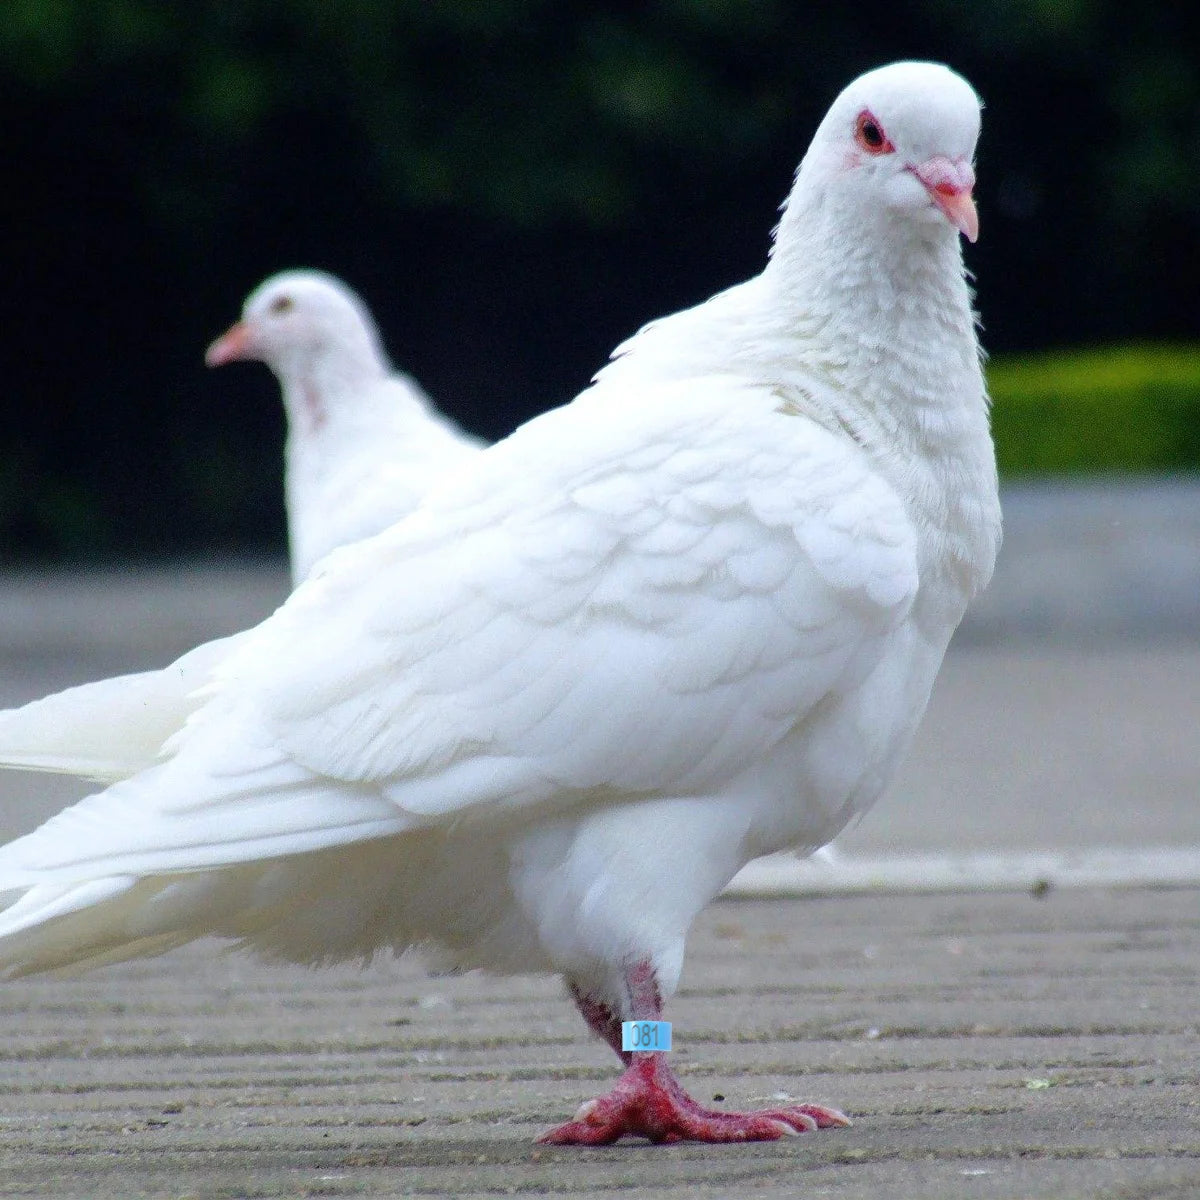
point(364, 446)
point(364, 442)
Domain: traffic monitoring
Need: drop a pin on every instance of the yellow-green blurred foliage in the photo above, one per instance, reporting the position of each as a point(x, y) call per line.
point(1115, 409)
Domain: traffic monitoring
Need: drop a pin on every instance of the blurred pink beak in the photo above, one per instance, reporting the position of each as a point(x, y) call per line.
point(231, 346)
point(949, 185)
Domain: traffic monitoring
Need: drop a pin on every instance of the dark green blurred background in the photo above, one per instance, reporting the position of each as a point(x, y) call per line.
point(516, 185)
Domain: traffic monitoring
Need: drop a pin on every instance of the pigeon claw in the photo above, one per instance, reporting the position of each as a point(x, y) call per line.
point(647, 1101)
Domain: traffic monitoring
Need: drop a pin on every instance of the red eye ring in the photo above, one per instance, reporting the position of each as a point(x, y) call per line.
point(868, 133)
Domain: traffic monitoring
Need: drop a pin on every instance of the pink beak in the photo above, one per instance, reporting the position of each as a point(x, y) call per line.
point(949, 185)
point(232, 346)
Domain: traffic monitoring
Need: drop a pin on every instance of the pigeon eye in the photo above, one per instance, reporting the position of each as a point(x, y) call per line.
point(281, 305)
point(868, 133)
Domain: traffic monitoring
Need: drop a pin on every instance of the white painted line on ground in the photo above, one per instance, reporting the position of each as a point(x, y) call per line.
point(841, 875)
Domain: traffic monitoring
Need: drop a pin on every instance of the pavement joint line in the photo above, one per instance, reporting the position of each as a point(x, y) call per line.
point(784, 876)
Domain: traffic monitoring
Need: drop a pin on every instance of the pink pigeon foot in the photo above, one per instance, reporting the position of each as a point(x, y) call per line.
point(648, 1101)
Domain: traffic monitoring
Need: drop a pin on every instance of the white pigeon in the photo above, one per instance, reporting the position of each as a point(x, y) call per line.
point(364, 443)
point(691, 618)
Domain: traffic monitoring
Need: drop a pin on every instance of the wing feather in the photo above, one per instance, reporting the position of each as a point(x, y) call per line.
point(110, 729)
point(639, 608)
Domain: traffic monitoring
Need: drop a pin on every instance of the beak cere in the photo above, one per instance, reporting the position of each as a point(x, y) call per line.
point(949, 185)
point(231, 346)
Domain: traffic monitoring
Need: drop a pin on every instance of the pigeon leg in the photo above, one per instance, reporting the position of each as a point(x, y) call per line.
point(600, 1020)
point(648, 1101)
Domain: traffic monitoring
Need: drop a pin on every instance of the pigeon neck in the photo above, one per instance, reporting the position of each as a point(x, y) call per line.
point(869, 268)
point(889, 308)
point(315, 390)
point(886, 300)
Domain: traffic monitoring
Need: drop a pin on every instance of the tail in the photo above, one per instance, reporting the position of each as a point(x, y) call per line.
point(222, 838)
point(343, 903)
point(111, 729)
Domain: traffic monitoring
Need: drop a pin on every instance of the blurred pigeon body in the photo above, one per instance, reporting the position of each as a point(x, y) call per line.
point(691, 618)
point(365, 443)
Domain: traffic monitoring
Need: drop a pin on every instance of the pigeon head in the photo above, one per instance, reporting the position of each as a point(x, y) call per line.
point(308, 327)
point(899, 141)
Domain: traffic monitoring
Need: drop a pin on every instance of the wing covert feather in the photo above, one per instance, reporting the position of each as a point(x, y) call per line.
point(578, 622)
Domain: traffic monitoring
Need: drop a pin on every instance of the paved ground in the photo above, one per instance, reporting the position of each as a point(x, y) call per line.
point(986, 1047)
point(1000, 1046)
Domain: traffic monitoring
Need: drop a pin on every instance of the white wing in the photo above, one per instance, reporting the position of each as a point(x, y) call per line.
point(636, 594)
point(110, 729)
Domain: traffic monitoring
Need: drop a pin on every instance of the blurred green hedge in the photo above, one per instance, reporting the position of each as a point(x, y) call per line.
point(1115, 409)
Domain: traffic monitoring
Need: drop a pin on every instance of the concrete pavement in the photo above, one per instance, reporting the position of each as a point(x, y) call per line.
point(987, 1047)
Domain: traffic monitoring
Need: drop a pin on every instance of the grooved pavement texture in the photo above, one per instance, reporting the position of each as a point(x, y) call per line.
point(986, 1046)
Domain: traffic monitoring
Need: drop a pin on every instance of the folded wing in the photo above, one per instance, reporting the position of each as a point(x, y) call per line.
point(617, 601)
